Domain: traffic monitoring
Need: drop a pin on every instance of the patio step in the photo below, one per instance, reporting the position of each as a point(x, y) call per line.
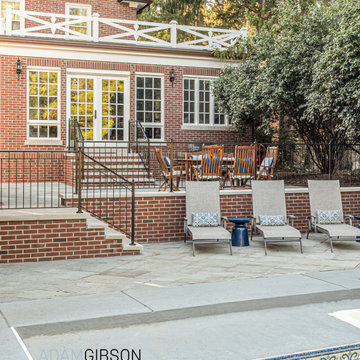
point(111, 234)
point(80, 234)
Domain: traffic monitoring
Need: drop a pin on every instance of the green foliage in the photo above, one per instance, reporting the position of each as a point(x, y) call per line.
point(185, 12)
point(303, 70)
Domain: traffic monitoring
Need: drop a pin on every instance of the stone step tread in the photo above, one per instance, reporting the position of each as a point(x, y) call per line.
point(123, 173)
point(136, 180)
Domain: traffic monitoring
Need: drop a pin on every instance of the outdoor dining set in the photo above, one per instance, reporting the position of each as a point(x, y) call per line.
point(235, 170)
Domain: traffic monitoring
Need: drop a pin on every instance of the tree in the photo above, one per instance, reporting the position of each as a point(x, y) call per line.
point(185, 12)
point(303, 70)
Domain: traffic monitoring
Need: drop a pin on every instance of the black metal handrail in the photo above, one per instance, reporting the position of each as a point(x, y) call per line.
point(111, 211)
point(145, 163)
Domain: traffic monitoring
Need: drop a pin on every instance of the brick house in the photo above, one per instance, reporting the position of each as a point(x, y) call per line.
point(91, 61)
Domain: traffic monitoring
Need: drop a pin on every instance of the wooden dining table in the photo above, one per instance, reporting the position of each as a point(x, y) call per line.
point(188, 163)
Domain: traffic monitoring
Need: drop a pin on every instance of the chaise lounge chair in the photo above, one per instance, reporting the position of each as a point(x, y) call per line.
point(203, 222)
point(327, 212)
point(269, 213)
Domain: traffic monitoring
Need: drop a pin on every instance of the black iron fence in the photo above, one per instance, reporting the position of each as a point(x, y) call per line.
point(36, 179)
point(296, 162)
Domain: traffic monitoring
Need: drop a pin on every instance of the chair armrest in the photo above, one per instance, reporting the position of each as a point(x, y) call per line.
point(291, 219)
point(224, 219)
point(311, 221)
point(350, 217)
point(253, 223)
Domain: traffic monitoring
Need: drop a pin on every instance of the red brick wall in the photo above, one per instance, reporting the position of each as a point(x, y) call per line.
point(13, 100)
point(24, 241)
point(160, 218)
point(105, 8)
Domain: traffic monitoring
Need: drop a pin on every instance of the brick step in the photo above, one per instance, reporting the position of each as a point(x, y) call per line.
point(59, 233)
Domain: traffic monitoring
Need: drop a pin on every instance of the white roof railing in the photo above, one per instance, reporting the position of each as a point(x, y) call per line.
point(97, 29)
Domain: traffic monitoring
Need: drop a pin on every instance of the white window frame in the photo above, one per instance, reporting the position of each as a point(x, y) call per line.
point(161, 124)
point(88, 8)
point(43, 122)
point(22, 8)
point(197, 103)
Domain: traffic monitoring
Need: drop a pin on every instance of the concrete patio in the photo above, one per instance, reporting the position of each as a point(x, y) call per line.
point(172, 264)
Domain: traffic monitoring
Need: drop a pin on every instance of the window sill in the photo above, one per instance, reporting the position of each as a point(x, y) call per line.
point(44, 142)
point(208, 127)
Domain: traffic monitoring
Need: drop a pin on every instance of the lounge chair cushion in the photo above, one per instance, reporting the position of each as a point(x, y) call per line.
point(339, 230)
point(272, 220)
point(205, 219)
point(279, 232)
point(328, 216)
point(209, 233)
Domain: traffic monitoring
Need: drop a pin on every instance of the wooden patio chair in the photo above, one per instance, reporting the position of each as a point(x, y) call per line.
point(266, 169)
point(243, 168)
point(211, 164)
point(164, 163)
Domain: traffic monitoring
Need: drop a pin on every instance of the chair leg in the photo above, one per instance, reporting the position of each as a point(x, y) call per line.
point(265, 246)
point(193, 248)
point(331, 245)
point(161, 186)
point(301, 248)
point(307, 234)
point(230, 242)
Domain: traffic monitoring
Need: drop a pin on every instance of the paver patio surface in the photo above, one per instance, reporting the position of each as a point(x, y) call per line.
point(171, 264)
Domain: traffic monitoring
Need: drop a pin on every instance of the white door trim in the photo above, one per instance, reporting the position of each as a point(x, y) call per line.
point(98, 76)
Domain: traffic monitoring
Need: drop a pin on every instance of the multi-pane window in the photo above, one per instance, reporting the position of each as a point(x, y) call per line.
point(82, 104)
point(43, 104)
point(79, 10)
point(200, 107)
point(149, 105)
point(112, 95)
point(204, 102)
point(16, 5)
point(189, 101)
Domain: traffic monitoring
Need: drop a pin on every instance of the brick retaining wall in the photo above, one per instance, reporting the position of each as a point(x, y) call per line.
point(42, 240)
point(159, 216)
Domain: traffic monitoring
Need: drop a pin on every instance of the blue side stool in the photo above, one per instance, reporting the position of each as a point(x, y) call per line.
point(240, 235)
point(357, 217)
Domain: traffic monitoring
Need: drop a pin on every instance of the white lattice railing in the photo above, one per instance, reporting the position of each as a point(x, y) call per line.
point(97, 29)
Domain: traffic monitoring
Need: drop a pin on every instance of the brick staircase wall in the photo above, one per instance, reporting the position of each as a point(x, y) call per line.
point(43, 240)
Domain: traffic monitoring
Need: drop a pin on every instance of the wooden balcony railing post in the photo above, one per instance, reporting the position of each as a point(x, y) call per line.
point(173, 33)
point(95, 34)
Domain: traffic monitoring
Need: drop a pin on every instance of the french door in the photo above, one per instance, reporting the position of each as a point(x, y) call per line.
point(100, 105)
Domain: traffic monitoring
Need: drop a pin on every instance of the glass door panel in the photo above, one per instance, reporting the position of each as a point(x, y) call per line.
point(82, 104)
point(112, 109)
